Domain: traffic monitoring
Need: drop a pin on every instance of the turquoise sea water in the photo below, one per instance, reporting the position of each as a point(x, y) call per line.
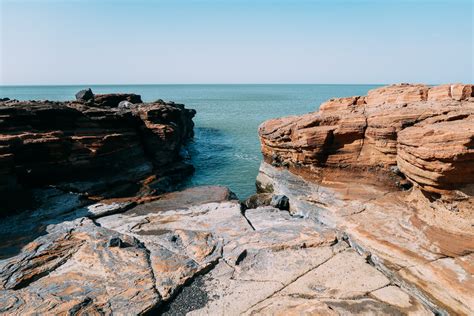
point(226, 149)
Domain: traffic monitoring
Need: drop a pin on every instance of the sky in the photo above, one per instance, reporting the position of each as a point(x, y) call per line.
point(46, 42)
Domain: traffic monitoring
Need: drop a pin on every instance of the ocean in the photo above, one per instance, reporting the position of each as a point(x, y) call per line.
point(225, 150)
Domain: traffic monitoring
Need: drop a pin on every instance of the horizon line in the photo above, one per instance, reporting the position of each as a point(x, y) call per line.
point(223, 84)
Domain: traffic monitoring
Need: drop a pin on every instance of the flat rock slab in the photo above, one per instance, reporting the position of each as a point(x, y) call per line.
point(417, 242)
point(74, 269)
point(185, 199)
point(197, 257)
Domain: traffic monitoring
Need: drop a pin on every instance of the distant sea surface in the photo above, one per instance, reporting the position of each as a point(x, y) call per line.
point(226, 149)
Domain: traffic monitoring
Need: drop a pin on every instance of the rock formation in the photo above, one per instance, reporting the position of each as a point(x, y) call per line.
point(90, 146)
point(253, 262)
point(346, 166)
point(335, 230)
point(428, 133)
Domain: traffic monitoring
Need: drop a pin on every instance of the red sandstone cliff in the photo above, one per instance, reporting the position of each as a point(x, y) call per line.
point(428, 133)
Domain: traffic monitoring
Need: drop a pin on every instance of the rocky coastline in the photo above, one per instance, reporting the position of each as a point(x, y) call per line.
point(364, 207)
point(98, 146)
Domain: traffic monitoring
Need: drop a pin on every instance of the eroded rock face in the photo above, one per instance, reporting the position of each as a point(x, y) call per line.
point(90, 147)
point(347, 165)
point(237, 262)
point(426, 246)
point(426, 132)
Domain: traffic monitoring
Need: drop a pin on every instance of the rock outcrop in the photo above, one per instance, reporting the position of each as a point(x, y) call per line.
point(347, 166)
point(426, 132)
point(334, 231)
point(91, 147)
point(196, 252)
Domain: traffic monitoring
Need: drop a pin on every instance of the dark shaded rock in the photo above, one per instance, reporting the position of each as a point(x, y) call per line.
point(256, 200)
point(84, 95)
point(191, 297)
point(281, 202)
point(114, 242)
point(113, 100)
point(81, 148)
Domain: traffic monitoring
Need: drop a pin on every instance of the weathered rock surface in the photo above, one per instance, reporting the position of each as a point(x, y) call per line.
point(90, 147)
point(74, 270)
point(422, 245)
point(255, 262)
point(347, 167)
point(332, 234)
point(426, 132)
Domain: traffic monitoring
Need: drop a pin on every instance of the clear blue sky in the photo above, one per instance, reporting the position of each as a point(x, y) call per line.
point(229, 41)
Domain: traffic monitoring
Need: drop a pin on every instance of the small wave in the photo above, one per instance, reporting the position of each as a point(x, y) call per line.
point(246, 157)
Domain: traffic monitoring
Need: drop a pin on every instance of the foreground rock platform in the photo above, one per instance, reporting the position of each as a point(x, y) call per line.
point(424, 250)
point(160, 256)
point(101, 146)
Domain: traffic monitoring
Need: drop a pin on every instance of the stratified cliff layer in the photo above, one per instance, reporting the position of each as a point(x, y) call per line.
point(428, 133)
point(97, 145)
point(393, 172)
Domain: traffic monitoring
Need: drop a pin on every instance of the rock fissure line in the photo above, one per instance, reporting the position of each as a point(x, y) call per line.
point(289, 283)
point(396, 280)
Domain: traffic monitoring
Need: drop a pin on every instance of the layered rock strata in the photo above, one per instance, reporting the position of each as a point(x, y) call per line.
point(92, 146)
point(196, 252)
point(427, 133)
point(346, 167)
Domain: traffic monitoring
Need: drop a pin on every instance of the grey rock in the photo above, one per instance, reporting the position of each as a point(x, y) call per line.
point(125, 105)
point(257, 200)
point(85, 95)
point(281, 202)
point(115, 242)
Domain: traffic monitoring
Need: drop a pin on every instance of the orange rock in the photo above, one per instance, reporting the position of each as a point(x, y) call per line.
point(456, 92)
point(396, 94)
point(428, 132)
